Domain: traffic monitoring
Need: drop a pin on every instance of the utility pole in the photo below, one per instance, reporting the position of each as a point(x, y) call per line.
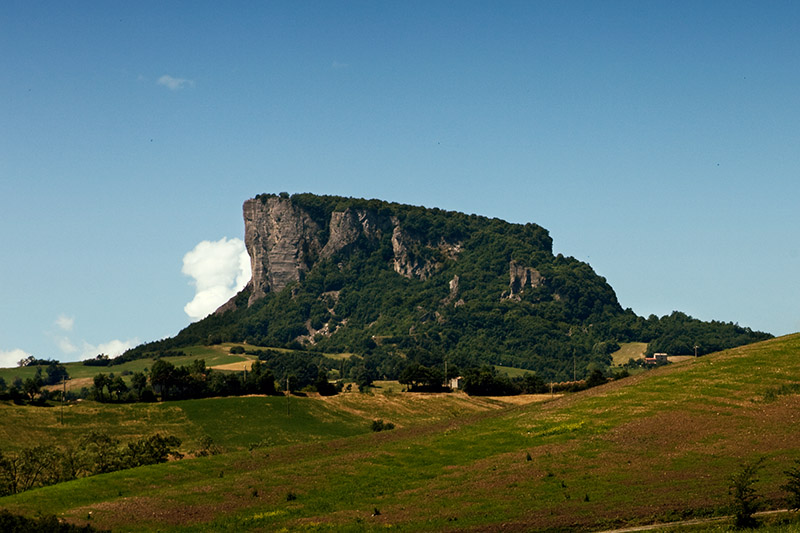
point(63, 397)
point(695, 350)
point(288, 393)
point(574, 367)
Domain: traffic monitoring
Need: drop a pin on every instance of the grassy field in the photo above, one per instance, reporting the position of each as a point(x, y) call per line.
point(657, 446)
point(628, 350)
point(511, 371)
point(216, 356)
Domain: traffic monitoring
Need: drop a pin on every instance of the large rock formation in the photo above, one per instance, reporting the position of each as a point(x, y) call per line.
point(284, 242)
point(347, 226)
point(519, 278)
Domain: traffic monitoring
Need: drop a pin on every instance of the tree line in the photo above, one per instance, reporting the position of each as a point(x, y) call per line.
point(95, 453)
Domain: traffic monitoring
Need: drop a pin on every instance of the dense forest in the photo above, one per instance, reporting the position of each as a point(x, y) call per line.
point(354, 301)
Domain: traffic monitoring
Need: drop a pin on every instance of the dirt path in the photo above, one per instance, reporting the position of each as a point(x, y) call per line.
point(692, 522)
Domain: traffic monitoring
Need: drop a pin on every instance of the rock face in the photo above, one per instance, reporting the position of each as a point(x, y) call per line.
point(519, 278)
point(347, 226)
point(284, 242)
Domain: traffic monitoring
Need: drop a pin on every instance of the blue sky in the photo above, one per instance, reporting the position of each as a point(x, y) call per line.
point(659, 141)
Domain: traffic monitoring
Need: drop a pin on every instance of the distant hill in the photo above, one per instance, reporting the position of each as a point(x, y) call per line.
point(398, 283)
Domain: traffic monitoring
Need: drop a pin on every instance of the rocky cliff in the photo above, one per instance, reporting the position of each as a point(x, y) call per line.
point(284, 242)
point(398, 283)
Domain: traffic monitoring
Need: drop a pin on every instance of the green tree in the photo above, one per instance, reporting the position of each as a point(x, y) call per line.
point(100, 453)
point(138, 383)
point(151, 450)
point(56, 373)
point(162, 377)
point(260, 379)
point(745, 500)
point(32, 467)
point(117, 387)
point(32, 386)
point(364, 377)
point(792, 486)
point(323, 386)
point(422, 378)
point(101, 382)
point(596, 378)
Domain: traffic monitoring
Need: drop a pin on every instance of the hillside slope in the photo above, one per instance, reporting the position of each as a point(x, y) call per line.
point(398, 283)
point(659, 445)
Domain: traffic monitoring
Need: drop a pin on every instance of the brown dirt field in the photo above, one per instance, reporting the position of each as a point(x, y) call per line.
point(237, 366)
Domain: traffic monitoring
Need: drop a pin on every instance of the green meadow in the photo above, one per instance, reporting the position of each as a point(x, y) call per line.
point(656, 447)
point(216, 356)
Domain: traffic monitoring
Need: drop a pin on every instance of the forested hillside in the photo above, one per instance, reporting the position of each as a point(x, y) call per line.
point(397, 284)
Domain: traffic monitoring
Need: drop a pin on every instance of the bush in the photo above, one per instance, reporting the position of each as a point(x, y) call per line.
point(380, 425)
point(45, 524)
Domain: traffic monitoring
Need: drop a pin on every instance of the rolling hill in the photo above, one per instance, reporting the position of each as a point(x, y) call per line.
point(658, 446)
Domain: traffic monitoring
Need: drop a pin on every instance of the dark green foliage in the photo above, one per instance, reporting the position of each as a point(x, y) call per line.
point(236, 349)
point(420, 378)
point(11, 523)
point(55, 373)
point(596, 378)
point(207, 447)
point(571, 318)
point(101, 360)
point(485, 381)
point(33, 361)
point(773, 393)
point(678, 334)
point(96, 453)
point(183, 382)
point(32, 387)
point(745, 500)
point(380, 425)
point(323, 386)
point(151, 450)
point(792, 487)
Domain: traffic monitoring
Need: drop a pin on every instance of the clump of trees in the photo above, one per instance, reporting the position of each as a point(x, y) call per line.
point(172, 382)
point(486, 381)
point(95, 453)
point(31, 389)
point(10, 522)
point(420, 378)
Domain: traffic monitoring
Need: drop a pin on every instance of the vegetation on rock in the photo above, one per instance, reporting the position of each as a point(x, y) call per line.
point(400, 285)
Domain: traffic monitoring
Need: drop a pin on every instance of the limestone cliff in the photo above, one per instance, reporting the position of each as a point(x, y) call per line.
point(519, 278)
point(347, 226)
point(284, 242)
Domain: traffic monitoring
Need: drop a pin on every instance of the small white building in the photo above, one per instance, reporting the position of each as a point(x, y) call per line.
point(656, 359)
point(456, 383)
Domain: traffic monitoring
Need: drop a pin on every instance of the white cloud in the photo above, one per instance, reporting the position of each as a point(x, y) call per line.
point(174, 84)
point(65, 345)
point(110, 348)
point(10, 359)
point(65, 322)
point(220, 269)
